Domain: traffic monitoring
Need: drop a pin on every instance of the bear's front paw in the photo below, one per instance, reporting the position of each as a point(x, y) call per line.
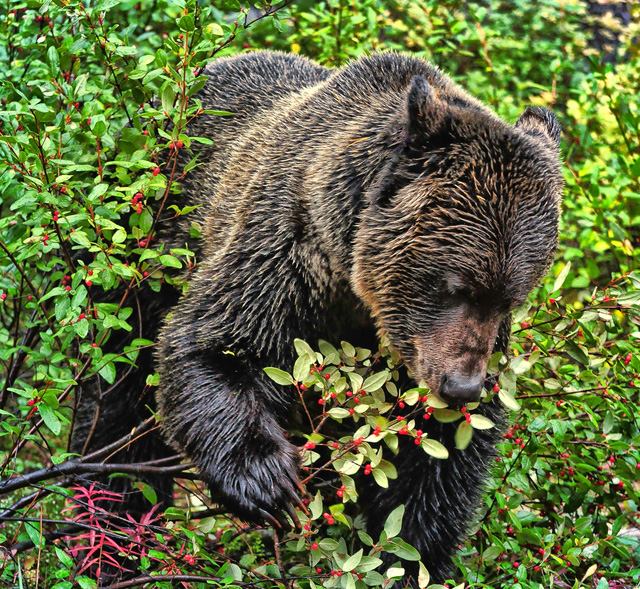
point(261, 484)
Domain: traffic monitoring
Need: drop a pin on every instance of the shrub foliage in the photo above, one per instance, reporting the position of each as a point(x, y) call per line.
point(96, 102)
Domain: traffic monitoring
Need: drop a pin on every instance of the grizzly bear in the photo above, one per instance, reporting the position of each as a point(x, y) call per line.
point(375, 199)
point(381, 198)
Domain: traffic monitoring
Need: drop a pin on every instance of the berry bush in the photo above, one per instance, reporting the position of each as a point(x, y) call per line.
point(96, 99)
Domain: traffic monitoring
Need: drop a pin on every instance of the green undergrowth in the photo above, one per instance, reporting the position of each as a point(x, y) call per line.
point(96, 99)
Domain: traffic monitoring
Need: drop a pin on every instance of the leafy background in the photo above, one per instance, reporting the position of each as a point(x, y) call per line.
point(95, 104)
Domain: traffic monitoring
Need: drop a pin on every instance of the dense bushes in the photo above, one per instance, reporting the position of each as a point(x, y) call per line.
point(95, 111)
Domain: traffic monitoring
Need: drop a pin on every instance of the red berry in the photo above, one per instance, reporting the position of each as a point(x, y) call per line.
point(3, 296)
point(179, 143)
point(31, 402)
point(156, 171)
point(339, 493)
point(314, 546)
point(496, 388)
point(67, 288)
point(88, 282)
point(309, 445)
point(552, 301)
point(351, 411)
point(401, 405)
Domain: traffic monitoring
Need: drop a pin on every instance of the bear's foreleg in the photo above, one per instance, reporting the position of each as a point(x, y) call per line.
point(216, 408)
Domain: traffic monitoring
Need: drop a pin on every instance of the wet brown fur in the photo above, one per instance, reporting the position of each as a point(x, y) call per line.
point(379, 197)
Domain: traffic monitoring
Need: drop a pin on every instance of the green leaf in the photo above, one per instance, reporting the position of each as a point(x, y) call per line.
point(481, 422)
point(464, 433)
point(423, 576)
point(380, 478)
point(108, 372)
point(54, 60)
point(561, 277)
point(50, 418)
point(170, 261)
point(279, 376)
point(447, 415)
point(303, 348)
point(339, 413)
point(353, 561)
point(375, 381)
point(508, 400)
point(434, 448)
point(168, 97)
point(402, 549)
point(148, 491)
point(348, 349)
point(393, 525)
point(62, 306)
point(64, 558)
point(315, 507)
point(86, 582)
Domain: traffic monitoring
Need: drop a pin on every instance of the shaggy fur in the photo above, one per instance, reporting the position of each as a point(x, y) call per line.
point(381, 188)
point(379, 197)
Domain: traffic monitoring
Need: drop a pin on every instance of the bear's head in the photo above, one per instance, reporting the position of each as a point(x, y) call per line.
point(458, 230)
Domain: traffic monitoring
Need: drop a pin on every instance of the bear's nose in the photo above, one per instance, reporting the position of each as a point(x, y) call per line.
point(460, 388)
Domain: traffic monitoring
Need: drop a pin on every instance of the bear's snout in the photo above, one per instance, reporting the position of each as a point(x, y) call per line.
point(459, 389)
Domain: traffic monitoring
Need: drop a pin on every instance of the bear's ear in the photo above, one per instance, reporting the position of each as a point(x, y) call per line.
point(541, 123)
point(426, 114)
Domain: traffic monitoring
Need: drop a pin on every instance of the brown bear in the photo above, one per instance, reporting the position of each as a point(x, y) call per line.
point(381, 198)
